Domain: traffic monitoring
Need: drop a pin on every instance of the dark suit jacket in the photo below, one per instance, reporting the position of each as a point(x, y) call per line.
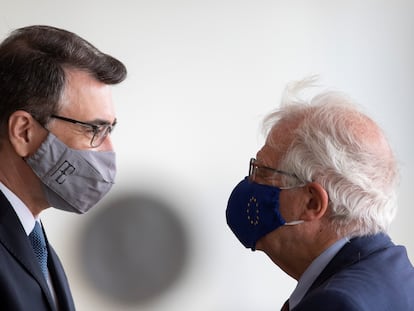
point(22, 285)
point(369, 273)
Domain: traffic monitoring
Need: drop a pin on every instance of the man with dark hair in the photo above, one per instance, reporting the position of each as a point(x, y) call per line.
point(56, 116)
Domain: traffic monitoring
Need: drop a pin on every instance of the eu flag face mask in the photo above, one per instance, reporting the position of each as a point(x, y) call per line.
point(253, 211)
point(73, 180)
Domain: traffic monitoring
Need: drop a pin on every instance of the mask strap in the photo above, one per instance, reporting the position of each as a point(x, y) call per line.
point(293, 223)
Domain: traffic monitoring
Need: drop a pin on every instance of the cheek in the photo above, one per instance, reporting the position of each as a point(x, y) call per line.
point(39, 137)
point(288, 203)
point(79, 142)
point(71, 139)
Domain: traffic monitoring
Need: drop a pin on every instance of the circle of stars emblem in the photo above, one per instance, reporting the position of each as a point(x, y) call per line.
point(252, 211)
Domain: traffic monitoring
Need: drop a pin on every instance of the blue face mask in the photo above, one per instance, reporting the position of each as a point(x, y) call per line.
point(253, 211)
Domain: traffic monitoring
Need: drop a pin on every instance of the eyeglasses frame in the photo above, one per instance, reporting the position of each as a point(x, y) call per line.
point(95, 128)
point(252, 167)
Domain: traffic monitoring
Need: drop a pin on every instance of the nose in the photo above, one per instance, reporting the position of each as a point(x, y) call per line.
point(106, 145)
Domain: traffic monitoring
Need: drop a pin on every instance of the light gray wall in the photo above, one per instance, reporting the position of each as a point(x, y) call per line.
point(202, 74)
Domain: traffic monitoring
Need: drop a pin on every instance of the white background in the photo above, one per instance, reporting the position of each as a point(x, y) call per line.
point(202, 74)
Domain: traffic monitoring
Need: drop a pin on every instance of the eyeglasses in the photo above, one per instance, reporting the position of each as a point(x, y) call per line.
point(100, 132)
point(273, 176)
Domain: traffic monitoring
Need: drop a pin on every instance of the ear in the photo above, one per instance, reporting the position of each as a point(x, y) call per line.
point(317, 202)
point(24, 133)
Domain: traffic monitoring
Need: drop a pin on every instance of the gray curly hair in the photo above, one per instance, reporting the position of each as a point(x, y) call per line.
point(346, 152)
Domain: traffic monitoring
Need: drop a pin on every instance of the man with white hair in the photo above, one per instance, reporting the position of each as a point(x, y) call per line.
point(318, 200)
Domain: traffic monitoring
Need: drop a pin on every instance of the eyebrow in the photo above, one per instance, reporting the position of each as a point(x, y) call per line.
point(102, 122)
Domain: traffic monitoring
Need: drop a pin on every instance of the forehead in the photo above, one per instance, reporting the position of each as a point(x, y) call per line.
point(86, 98)
point(277, 143)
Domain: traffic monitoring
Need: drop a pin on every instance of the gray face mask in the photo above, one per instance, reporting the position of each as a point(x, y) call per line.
point(73, 180)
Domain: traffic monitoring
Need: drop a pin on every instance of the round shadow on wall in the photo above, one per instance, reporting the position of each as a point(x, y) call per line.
point(134, 248)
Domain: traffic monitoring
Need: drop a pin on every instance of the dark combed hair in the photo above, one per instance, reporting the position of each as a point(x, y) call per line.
point(33, 60)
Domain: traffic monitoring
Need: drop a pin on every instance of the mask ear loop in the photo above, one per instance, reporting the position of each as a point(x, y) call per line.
point(293, 223)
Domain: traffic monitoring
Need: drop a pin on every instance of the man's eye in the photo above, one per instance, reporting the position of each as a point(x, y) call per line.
point(90, 130)
point(101, 130)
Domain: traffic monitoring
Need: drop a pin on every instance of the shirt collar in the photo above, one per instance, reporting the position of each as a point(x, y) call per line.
point(313, 271)
point(23, 213)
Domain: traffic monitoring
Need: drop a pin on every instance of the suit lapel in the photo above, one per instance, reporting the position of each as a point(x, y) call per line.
point(355, 250)
point(15, 240)
point(60, 282)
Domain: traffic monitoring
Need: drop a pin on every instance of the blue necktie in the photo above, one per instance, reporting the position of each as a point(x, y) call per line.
point(38, 241)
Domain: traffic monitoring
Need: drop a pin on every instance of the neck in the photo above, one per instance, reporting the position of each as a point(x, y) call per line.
point(17, 176)
point(294, 254)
